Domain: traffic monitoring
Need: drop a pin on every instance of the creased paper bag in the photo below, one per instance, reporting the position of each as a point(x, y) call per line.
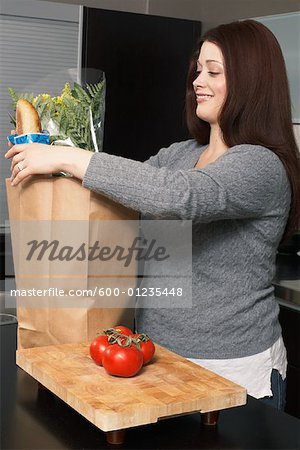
point(61, 213)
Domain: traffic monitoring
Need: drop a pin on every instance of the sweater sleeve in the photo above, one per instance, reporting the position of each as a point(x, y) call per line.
point(168, 156)
point(243, 183)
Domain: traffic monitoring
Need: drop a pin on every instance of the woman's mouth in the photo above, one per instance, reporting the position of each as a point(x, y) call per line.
point(203, 97)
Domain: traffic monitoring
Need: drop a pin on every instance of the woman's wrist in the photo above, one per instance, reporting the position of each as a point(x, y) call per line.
point(76, 161)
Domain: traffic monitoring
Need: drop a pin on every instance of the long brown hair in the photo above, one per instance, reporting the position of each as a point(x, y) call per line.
point(257, 109)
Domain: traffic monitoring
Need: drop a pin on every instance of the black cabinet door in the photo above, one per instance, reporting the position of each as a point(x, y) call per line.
point(145, 59)
point(290, 323)
point(293, 391)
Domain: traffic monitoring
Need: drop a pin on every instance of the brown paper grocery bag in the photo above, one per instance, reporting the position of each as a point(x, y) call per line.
point(42, 208)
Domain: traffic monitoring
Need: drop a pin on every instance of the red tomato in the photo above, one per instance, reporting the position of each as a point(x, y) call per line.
point(122, 361)
point(97, 347)
point(123, 330)
point(146, 345)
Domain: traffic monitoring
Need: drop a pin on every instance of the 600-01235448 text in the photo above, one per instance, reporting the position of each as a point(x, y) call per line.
point(98, 291)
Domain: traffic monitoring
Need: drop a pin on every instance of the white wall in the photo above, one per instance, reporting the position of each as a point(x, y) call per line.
point(135, 6)
point(37, 8)
point(297, 135)
point(209, 12)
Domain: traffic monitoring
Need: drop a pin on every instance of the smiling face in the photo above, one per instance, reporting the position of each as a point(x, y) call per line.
point(210, 84)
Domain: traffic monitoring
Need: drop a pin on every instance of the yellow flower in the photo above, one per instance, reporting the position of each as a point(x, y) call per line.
point(66, 90)
point(41, 97)
point(57, 100)
point(45, 97)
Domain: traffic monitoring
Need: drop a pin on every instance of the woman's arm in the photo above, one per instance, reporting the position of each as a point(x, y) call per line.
point(44, 159)
point(248, 181)
point(245, 182)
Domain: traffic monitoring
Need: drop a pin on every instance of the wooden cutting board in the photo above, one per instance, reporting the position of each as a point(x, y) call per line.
point(168, 386)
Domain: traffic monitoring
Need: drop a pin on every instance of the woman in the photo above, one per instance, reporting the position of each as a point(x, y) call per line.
point(237, 181)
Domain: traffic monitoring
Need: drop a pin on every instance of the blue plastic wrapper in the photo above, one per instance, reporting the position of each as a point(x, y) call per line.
point(41, 138)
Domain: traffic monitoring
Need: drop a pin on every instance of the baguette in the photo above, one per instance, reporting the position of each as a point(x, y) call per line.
point(27, 118)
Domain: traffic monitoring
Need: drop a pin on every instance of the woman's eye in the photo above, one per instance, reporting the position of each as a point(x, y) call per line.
point(213, 74)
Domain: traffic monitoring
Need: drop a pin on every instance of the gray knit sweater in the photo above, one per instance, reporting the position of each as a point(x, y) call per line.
point(239, 205)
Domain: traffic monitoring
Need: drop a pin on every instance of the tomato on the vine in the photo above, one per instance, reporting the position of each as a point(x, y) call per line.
point(146, 345)
point(122, 360)
point(97, 348)
point(123, 330)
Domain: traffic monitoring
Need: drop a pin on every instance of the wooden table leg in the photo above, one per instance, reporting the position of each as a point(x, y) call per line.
point(210, 418)
point(115, 437)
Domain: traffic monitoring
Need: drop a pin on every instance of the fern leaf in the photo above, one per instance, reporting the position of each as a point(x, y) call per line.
point(79, 93)
point(90, 89)
point(13, 95)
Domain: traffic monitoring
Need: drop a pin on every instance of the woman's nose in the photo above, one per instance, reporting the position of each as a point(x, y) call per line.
point(199, 80)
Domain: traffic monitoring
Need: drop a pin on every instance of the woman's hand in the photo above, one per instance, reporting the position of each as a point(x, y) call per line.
point(34, 159)
point(29, 159)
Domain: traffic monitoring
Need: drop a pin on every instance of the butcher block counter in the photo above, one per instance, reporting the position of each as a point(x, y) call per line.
point(34, 418)
point(169, 385)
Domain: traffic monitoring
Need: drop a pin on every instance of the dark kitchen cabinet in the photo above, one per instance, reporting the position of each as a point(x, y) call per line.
point(2, 259)
point(290, 322)
point(145, 59)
